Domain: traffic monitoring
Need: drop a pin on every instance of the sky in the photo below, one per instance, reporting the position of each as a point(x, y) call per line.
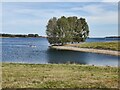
point(32, 17)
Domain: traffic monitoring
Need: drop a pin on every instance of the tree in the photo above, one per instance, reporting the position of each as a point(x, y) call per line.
point(67, 30)
point(63, 26)
point(52, 31)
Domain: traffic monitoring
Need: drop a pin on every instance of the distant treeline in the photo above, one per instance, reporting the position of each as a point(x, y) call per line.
point(113, 37)
point(19, 35)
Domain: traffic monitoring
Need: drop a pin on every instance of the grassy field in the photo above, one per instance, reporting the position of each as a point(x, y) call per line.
point(99, 45)
point(58, 76)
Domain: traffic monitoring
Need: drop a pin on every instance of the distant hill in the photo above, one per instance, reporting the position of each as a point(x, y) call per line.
point(20, 35)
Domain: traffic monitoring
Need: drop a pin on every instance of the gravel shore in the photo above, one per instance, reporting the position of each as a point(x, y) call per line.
point(109, 52)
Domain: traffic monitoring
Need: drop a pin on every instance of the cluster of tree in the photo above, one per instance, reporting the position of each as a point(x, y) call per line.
point(33, 35)
point(113, 37)
point(67, 30)
point(19, 35)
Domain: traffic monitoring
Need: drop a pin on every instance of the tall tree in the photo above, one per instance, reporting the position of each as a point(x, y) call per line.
point(67, 30)
point(52, 30)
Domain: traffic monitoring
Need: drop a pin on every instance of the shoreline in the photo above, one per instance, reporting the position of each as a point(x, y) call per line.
point(22, 37)
point(108, 52)
point(74, 64)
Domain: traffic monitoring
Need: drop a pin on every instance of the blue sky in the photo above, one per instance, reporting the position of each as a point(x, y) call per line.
point(32, 17)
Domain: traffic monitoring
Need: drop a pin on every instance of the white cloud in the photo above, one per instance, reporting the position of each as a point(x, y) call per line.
point(42, 13)
point(22, 22)
point(98, 15)
point(91, 9)
point(107, 18)
point(38, 17)
point(110, 0)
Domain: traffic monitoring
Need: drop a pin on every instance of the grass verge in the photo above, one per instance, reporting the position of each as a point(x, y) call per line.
point(58, 76)
point(98, 45)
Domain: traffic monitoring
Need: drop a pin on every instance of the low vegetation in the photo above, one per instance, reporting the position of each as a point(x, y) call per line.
point(19, 35)
point(58, 76)
point(98, 45)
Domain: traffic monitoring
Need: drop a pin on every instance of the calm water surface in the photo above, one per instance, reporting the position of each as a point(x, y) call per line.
point(36, 51)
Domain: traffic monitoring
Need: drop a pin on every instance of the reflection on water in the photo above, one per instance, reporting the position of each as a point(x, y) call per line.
point(60, 56)
point(36, 50)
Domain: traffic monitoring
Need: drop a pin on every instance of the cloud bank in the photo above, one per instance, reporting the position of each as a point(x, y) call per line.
point(33, 17)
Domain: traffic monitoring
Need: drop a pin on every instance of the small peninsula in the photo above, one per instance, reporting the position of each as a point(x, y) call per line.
point(110, 48)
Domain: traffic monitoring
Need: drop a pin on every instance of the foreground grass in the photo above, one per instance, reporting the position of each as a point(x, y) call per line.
point(58, 76)
point(99, 45)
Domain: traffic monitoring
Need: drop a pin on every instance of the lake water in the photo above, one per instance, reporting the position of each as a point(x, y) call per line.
point(36, 51)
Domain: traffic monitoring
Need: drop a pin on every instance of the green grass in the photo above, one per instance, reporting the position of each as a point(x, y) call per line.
point(58, 76)
point(100, 45)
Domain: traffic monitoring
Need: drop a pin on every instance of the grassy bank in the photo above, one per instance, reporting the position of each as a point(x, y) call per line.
point(99, 45)
point(58, 76)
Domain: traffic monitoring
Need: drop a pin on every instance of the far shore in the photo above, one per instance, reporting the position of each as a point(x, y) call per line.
point(24, 37)
point(109, 52)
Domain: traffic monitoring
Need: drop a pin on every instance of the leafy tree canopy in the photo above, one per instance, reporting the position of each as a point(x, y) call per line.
point(67, 30)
